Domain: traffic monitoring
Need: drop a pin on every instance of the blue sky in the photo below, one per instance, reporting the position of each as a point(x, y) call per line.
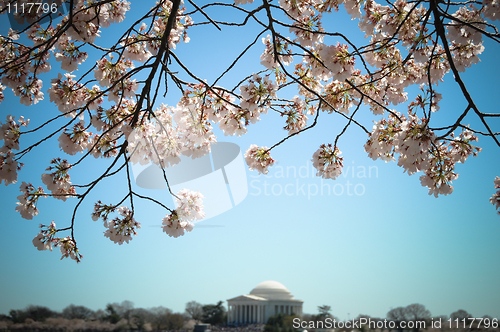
point(377, 242)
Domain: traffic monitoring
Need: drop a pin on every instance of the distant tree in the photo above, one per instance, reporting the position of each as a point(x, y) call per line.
point(280, 323)
point(324, 311)
point(111, 314)
point(160, 316)
point(412, 313)
point(77, 312)
point(417, 313)
point(100, 315)
point(5, 318)
point(396, 314)
point(214, 314)
point(194, 310)
point(34, 312)
point(460, 314)
point(175, 321)
point(124, 310)
point(140, 317)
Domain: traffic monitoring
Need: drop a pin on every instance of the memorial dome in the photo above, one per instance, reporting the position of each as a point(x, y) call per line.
point(272, 290)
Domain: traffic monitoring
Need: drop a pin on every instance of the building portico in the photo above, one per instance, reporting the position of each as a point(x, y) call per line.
point(269, 298)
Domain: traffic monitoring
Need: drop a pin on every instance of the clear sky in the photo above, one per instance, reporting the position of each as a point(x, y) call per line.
point(367, 242)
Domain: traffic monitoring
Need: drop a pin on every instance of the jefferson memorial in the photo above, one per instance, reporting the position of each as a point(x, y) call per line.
point(267, 299)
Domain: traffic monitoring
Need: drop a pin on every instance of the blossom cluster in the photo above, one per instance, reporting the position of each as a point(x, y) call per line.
point(28, 200)
point(189, 207)
point(275, 50)
point(46, 239)
point(259, 158)
point(328, 162)
point(420, 150)
point(59, 181)
point(10, 134)
point(296, 115)
point(495, 199)
point(119, 229)
point(162, 140)
point(256, 96)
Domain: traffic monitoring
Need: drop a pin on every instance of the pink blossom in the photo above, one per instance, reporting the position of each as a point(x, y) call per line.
point(59, 181)
point(28, 200)
point(258, 158)
point(328, 162)
point(122, 229)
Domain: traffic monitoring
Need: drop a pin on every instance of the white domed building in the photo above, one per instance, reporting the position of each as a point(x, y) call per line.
point(267, 299)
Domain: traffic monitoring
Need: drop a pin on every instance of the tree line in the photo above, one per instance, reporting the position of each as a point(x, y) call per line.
point(125, 317)
point(412, 313)
point(115, 317)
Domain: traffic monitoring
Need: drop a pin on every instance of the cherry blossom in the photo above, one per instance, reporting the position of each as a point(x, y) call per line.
point(28, 200)
point(67, 94)
point(495, 199)
point(491, 9)
point(68, 249)
point(328, 162)
point(175, 227)
point(122, 229)
point(8, 168)
point(258, 158)
point(10, 132)
point(108, 72)
point(381, 142)
point(338, 61)
point(268, 58)
point(30, 92)
point(58, 182)
point(76, 140)
point(412, 143)
point(461, 147)
point(189, 207)
point(440, 172)
point(296, 115)
point(256, 96)
point(2, 97)
point(177, 34)
point(308, 28)
point(69, 55)
point(45, 239)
